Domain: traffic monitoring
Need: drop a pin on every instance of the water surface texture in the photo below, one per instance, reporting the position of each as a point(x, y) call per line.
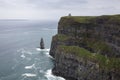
point(20, 57)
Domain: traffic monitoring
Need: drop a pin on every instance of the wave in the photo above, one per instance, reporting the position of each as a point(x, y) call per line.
point(48, 55)
point(38, 49)
point(22, 56)
point(26, 52)
point(47, 74)
point(30, 67)
point(50, 76)
point(23, 51)
point(45, 50)
point(29, 75)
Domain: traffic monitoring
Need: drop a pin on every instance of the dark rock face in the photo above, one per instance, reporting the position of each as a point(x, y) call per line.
point(72, 68)
point(103, 32)
point(99, 29)
point(42, 44)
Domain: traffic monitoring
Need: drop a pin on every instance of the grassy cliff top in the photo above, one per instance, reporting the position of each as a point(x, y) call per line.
point(87, 19)
point(81, 19)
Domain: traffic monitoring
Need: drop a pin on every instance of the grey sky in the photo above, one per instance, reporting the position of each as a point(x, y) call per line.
point(53, 9)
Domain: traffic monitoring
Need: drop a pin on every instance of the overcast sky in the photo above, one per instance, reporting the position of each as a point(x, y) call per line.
point(53, 9)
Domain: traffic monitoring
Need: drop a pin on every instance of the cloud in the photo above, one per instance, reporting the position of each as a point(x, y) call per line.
point(53, 9)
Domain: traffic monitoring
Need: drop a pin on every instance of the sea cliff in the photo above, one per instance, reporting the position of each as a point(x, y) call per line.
point(87, 48)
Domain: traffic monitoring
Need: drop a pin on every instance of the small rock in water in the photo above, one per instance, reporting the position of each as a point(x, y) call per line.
point(42, 44)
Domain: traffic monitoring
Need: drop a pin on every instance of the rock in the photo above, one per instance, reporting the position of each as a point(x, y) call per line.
point(42, 44)
point(87, 48)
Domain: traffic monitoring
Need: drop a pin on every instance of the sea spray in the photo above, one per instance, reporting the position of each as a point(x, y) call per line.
point(50, 76)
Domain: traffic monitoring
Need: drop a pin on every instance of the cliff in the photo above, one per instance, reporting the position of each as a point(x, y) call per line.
point(87, 48)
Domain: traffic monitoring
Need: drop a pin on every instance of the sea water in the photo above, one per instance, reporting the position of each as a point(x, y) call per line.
point(20, 57)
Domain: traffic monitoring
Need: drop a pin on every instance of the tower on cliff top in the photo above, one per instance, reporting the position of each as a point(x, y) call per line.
point(42, 46)
point(69, 15)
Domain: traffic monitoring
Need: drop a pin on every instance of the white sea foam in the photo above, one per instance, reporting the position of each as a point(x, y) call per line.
point(49, 73)
point(50, 76)
point(29, 75)
point(46, 50)
point(47, 53)
point(23, 51)
point(38, 49)
point(30, 67)
point(26, 52)
point(23, 56)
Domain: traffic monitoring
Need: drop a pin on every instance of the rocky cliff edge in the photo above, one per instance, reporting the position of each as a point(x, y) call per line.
point(87, 48)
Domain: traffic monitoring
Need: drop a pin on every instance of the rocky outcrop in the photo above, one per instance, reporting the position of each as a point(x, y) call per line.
point(87, 48)
point(42, 44)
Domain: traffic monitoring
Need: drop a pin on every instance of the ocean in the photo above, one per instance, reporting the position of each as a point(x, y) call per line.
point(20, 57)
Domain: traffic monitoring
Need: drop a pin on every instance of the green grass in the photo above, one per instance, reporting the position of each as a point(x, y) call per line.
point(80, 19)
point(111, 17)
point(61, 37)
point(97, 45)
point(104, 62)
point(87, 19)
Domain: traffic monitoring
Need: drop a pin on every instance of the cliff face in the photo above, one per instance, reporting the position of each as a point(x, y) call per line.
point(87, 48)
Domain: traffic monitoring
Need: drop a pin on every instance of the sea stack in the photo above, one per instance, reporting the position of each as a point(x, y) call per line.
point(42, 44)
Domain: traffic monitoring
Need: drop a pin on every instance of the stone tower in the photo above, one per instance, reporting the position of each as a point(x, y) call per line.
point(69, 14)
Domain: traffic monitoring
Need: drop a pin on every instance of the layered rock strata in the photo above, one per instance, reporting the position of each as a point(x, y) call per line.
point(87, 48)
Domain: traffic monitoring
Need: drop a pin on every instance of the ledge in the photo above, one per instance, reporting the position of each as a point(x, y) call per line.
point(105, 63)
